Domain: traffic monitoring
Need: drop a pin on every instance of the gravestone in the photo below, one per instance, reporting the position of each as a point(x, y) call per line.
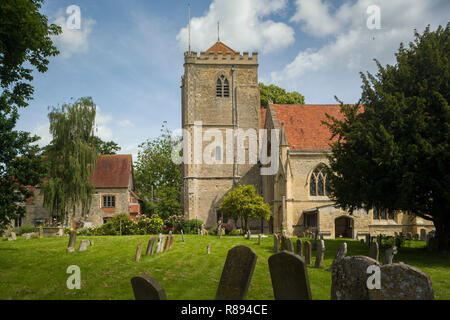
point(159, 246)
point(138, 252)
point(13, 236)
point(314, 245)
point(320, 254)
point(248, 234)
point(349, 278)
point(374, 251)
point(361, 241)
point(70, 249)
point(390, 255)
point(398, 242)
point(147, 288)
point(171, 242)
point(236, 274)
point(423, 234)
point(28, 236)
point(395, 234)
point(283, 243)
point(289, 277)
point(166, 244)
point(276, 242)
point(219, 232)
point(83, 245)
point(416, 237)
point(308, 253)
point(340, 254)
point(379, 240)
point(299, 247)
point(368, 240)
point(208, 248)
point(408, 236)
point(91, 243)
point(289, 245)
point(259, 239)
point(182, 236)
point(403, 282)
point(150, 246)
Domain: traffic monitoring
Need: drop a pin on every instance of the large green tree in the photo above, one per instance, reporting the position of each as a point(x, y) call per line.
point(278, 95)
point(25, 46)
point(158, 178)
point(243, 202)
point(394, 152)
point(106, 147)
point(71, 157)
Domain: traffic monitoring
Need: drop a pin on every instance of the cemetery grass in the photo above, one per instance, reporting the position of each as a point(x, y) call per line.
point(36, 268)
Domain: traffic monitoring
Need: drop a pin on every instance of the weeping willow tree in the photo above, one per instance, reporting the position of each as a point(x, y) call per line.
point(71, 157)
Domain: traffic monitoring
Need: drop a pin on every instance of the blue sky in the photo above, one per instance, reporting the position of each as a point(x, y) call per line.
point(128, 55)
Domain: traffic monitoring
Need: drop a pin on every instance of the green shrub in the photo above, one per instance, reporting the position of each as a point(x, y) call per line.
point(192, 225)
point(26, 228)
point(151, 225)
point(174, 223)
point(213, 231)
point(235, 232)
point(87, 231)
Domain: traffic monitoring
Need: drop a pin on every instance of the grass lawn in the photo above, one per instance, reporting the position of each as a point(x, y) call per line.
point(36, 268)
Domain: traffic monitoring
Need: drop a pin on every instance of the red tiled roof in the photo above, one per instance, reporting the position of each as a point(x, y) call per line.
point(303, 124)
point(219, 46)
point(112, 171)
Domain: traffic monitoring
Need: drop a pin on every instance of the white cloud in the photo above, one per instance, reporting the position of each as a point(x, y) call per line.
point(352, 46)
point(126, 123)
point(72, 41)
point(43, 131)
point(244, 26)
point(102, 129)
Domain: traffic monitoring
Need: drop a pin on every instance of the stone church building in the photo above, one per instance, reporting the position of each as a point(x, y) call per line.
point(220, 92)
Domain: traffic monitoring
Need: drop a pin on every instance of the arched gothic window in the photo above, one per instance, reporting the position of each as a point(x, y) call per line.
point(222, 87)
point(318, 183)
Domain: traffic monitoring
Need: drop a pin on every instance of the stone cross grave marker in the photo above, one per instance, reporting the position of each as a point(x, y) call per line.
point(237, 274)
point(147, 288)
point(289, 245)
point(289, 277)
point(390, 254)
point(308, 253)
point(276, 242)
point(299, 247)
point(320, 254)
point(138, 252)
point(340, 254)
point(374, 251)
point(150, 246)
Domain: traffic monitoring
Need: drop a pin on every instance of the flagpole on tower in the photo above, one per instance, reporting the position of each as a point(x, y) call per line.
point(189, 28)
point(218, 32)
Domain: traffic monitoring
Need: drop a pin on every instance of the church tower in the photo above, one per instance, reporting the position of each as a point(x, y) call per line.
point(219, 95)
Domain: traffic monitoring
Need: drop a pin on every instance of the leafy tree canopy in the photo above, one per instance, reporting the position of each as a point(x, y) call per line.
point(105, 147)
point(279, 95)
point(25, 45)
point(158, 178)
point(394, 153)
point(243, 202)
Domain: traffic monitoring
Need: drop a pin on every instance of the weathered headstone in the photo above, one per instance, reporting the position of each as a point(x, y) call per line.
point(150, 246)
point(320, 254)
point(70, 249)
point(138, 252)
point(147, 288)
point(248, 234)
point(340, 254)
point(166, 244)
point(408, 236)
point(13, 236)
point(276, 242)
point(27, 236)
point(219, 232)
point(91, 243)
point(237, 274)
point(289, 245)
point(349, 277)
point(361, 241)
point(416, 237)
point(390, 255)
point(160, 244)
point(208, 248)
point(308, 253)
point(289, 277)
point(259, 239)
point(171, 242)
point(182, 236)
point(374, 251)
point(83, 245)
point(368, 240)
point(402, 282)
point(423, 234)
point(41, 232)
point(299, 247)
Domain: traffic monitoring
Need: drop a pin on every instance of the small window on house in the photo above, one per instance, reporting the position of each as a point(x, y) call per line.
point(383, 214)
point(218, 153)
point(318, 183)
point(109, 201)
point(310, 220)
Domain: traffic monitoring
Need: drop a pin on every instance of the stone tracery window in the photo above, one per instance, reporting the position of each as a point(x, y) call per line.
point(222, 87)
point(318, 183)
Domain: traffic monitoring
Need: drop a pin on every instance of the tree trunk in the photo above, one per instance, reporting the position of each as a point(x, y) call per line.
point(245, 224)
point(442, 226)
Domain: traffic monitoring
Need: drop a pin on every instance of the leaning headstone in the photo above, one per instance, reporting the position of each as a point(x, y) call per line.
point(160, 243)
point(237, 274)
point(390, 255)
point(308, 253)
point(208, 248)
point(182, 236)
point(138, 252)
point(423, 235)
point(72, 239)
point(276, 242)
point(374, 251)
point(166, 244)
point(150, 246)
point(403, 282)
point(171, 242)
point(147, 288)
point(340, 254)
point(259, 239)
point(289, 245)
point(289, 277)
point(320, 254)
point(299, 247)
point(83, 245)
point(349, 277)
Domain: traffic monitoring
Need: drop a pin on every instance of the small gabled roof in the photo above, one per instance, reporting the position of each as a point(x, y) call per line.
point(220, 47)
point(112, 171)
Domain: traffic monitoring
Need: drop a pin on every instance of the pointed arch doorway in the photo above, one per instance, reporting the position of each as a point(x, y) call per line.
point(343, 227)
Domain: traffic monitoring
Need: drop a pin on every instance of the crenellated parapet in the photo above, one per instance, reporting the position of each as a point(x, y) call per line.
point(221, 57)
